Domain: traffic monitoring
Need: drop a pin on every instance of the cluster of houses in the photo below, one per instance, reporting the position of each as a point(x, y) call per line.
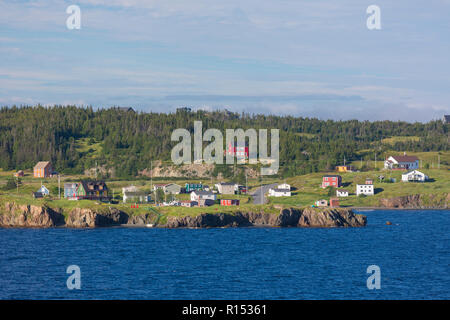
point(403, 162)
point(200, 195)
point(204, 195)
point(87, 190)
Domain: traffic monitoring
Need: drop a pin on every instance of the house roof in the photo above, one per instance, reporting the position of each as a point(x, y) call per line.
point(172, 185)
point(70, 185)
point(281, 190)
point(342, 190)
point(417, 171)
point(41, 164)
point(94, 185)
point(227, 183)
point(203, 193)
point(160, 185)
point(331, 175)
point(134, 193)
point(405, 158)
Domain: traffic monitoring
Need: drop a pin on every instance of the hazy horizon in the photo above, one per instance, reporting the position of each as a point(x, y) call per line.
point(310, 59)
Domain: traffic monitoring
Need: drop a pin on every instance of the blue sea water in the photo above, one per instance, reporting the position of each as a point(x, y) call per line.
point(236, 263)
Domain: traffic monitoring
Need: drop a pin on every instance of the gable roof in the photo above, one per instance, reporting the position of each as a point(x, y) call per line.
point(203, 193)
point(281, 190)
point(413, 171)
point(405, 158)
point(41, 164)
point(227, 184)
point(94, 185)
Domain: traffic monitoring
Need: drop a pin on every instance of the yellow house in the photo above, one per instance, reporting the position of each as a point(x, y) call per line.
point(345, 168)
point(42, 169)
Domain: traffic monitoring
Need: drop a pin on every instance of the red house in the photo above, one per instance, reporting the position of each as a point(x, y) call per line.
point(332, 181)
point(229, 202)
point(234, 150)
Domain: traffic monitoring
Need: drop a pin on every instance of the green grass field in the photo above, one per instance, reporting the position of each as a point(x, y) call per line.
point(395, 139)
point(307, 187)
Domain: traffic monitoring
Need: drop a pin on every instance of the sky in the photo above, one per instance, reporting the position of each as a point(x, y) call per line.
point(310, 58)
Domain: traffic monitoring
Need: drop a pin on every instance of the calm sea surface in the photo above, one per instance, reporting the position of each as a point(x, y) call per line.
point(243, 263)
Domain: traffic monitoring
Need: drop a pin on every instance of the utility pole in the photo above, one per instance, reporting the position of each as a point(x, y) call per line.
point(59, 186)
point(439, 161)
point(17, 184)
point(375, 160)
point(151, 175)
point(95, 170)
point(246, 183)
point(344, 161)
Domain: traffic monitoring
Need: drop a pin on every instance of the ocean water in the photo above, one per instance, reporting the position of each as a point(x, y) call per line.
point(413, 255)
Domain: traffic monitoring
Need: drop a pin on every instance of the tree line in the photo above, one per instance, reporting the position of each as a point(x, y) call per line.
point(129, 140)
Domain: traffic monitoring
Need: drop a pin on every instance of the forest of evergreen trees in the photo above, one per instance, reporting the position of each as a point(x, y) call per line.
point(130, 140)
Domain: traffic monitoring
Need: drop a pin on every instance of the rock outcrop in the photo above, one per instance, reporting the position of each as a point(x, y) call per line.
point(88, 218)
point(30, 216)
point(331, 218)
point(417, 201)
point(309, 217)
point(37, 216)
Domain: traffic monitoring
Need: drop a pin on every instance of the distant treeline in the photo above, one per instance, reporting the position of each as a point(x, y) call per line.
point(130, 140)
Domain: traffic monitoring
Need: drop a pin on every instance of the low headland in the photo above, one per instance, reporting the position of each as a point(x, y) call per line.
point(33, 216)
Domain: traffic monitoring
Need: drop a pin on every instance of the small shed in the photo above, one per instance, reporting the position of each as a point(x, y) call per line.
point(334, 202)
point(19, 173)
point(229, 202)
point(321, 203)
point(342, 193)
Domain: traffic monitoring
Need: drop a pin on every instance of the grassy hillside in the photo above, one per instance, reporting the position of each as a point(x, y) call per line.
point(307, 188)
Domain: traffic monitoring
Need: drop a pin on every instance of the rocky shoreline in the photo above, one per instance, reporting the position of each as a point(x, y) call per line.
point(417, 201)
point(32, 216)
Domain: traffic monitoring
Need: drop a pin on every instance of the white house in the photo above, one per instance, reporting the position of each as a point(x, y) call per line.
point(202, 195)
point(44, 190)
point(275, 192)
point(414, 175)
point(135, 197)
point(341, 193)
point(172, 188)
point(226, 187)
point(130, 189)
point(284, 186)
point(366, 189)
point(402, 162)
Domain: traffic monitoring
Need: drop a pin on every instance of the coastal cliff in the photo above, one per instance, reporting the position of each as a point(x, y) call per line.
point(14, 215)
point(30, 216)
point(88, 218)
point(418, 201)
point(309, 217)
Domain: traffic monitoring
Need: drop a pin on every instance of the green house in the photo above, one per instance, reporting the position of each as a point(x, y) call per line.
point(193, 187)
